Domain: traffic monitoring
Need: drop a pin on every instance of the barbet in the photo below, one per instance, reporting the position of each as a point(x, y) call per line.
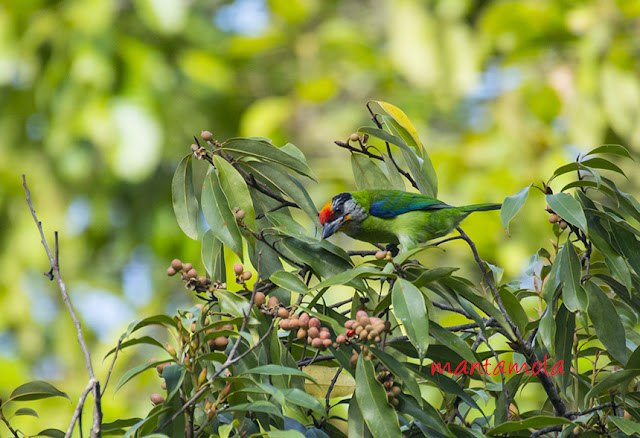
point(393, 216)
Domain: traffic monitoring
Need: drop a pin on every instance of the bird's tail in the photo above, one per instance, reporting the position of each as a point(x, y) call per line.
point(481, 207)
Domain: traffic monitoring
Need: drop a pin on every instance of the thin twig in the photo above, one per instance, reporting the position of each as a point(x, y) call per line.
point(78, 411)
point(6, 422)
point(331, 385)
point(576, 414)
point(546, 430)
point(113, 362)
point(53, 261)
point(505, 393)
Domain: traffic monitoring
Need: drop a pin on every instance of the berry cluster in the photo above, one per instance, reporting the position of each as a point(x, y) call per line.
point(307, 327)
point(393, 390)
point(190, 276)
point(363, 328)
point(384, 255)
point(554, 218)
point(241, 274)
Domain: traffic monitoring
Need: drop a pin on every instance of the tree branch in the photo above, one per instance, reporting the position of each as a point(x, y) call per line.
point(96, 429)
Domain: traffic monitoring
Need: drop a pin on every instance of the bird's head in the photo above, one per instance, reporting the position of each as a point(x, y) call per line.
point(341, 213)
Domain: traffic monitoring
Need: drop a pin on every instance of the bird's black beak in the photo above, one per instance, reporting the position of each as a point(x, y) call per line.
point(331, 228)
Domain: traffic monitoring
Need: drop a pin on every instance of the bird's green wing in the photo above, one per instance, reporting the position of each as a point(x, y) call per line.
point(390, 203)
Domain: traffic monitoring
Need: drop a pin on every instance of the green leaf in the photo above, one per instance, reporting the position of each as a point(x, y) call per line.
point(601, 163)
point(274, 370)
point(610, 149)
point(323, 262)
point(619, 270)
point(287, 226)
point(379, 416)
point(425, 414)
point(232, 303)
point(301, 398)
point(143, 340)
point(409, 382)
point(163, 320)
point(289, 281)
point(367, 174)
point(235, 190)
point(626, 426)
point(173, 375)
point(568, 208)
point(265, 151)
point(606, 322)
point(610, 381)
point(394, 176)
point(119, 424)
point(218, 214)
point(410, 309)
point(286, 184)
point(356, 424)
point(347, 276)
point(512, 205)
point(629, 246)
point(414, 162)
point(262, 406)
point(515, 310)
point(212, 253)
point(565, 327)
point(35, 390)
point(185, 203)
point(537, 422)
point(24, 412)
point(453, 341)
point(428, 275)
point(130, 374)
point(407, 131)
point(53, 433)
point(570, 272)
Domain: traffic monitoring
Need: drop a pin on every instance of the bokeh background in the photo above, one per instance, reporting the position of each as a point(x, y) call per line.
point(100, 99)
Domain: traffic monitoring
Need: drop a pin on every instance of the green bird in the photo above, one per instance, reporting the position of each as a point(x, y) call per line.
point(393, 216)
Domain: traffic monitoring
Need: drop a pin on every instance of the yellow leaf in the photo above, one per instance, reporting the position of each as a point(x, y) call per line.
point(345, 385)
point(399, 116)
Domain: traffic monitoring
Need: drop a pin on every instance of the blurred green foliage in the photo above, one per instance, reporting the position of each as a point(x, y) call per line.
point(99, 100)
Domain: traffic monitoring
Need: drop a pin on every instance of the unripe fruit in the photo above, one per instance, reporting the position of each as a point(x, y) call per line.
point(234, 210)
point(240, 215)
point(193, 327)
point(324, 334)
point(192, 273)
point(354, 137)
point(380, 255)
point(304, 319)
point(159, 368)
point(221, 343)
point(171, 350)
point(176, 264)
point(202, 377)
point(283, 313)
point(563, 225)
point(163, 385)
point(194, 147)
point(395, 390)
point(361, 314)
point(549, 209)
point(302, 333)
point(238, 268)
point(349, 324)
point(363, 334)
point(202, 280)
point(186, 267)
point(227, 327)
point(273, 302)
point(246, 275)
point(314, 322)
point(395, 402)
point(206, 135)
point(171, 272)
point(341, 339)
point(327, 343)
point(259, 299)
point(316, 343)
point(285, 324)
point(313, 332)
point(553, 218)
point(156, 399)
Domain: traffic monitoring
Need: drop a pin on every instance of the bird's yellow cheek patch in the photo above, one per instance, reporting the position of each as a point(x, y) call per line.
point(347, 217)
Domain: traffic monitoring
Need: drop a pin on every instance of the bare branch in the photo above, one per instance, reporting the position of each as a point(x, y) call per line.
point(78, 411)
point(113, 362)
point(55, 270)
